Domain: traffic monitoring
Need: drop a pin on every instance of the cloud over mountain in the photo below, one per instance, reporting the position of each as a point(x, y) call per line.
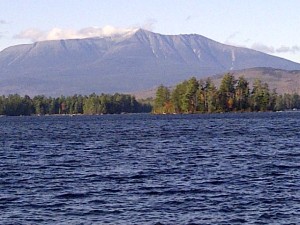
point(284, 49)
point(122, 63)
point(235, 39)
point(59, 33)
point(271, 50)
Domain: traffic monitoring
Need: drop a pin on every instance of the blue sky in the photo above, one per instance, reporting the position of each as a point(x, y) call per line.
point(271, 26)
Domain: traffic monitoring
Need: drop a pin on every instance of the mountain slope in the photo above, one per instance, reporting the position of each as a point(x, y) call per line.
point(283, 81)
point(126, 63)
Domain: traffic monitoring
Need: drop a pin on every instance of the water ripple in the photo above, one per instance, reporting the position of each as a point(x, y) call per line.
point(146, 169)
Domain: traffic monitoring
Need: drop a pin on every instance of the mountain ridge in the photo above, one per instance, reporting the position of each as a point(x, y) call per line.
point(124, 63)
point(282, 81)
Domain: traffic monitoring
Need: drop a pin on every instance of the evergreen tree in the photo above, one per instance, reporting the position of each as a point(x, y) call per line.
point(227, 92)
point(295, 101)
point(279, 103)
point(272, 100)
point(2, 105)
point(242, 94)
point(260, 96)
point(202, 96)
point(162, 100)
point(177, 97)
point(212, 101)
point(40, 104)
point(190, 96)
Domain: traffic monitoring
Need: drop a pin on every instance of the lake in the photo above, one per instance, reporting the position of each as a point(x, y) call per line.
point(150, 169)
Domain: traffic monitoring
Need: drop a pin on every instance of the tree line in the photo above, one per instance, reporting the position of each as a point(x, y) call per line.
point(16, 105)
point(233, 95)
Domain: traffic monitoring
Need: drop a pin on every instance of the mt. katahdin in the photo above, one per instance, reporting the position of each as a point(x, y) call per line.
point(126, 63)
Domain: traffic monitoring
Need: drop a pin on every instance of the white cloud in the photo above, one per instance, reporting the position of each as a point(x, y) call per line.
point(263, 48)
point(58, 33)
point(285, 49)
point(232, 40)
point(272, 50)
point(149, 24)
point(31, 34)
point(296, 48)
point(3, 22)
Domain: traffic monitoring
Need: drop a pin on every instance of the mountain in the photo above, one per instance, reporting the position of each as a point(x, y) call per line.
point(126, 63)
point(283, 81)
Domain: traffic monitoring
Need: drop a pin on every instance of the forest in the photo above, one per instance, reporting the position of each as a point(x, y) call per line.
point(233, 95)
point(16, 105)
point(189, 96)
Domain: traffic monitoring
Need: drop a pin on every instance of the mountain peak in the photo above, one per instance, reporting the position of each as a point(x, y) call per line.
point(142, 30)
point(128, 61)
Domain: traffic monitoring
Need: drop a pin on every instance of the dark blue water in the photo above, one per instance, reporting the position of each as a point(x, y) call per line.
point(146, 169)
